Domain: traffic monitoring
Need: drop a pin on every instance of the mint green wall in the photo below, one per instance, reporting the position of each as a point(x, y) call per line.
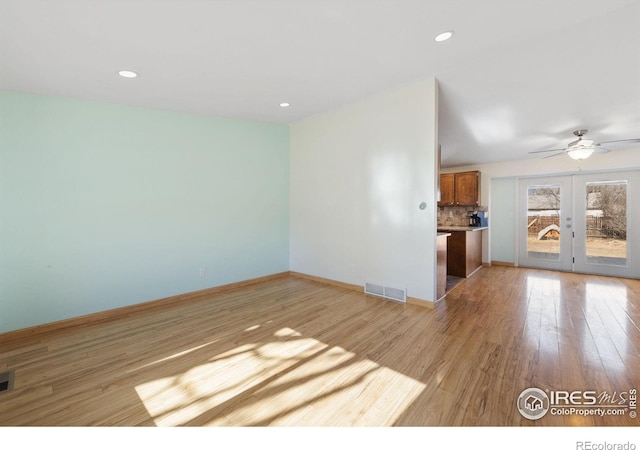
point(103, 205)
point(502, 219)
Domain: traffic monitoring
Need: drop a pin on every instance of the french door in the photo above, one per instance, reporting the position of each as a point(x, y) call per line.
point(546, 223)
point(607, 234)
point(581, 223)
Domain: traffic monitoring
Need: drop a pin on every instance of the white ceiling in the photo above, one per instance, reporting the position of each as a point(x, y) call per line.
point(519, 75)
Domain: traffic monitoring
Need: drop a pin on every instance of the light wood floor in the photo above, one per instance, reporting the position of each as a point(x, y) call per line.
point(296, 352)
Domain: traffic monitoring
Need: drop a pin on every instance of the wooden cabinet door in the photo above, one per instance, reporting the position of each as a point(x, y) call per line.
point(447, 190)
point(467, 188)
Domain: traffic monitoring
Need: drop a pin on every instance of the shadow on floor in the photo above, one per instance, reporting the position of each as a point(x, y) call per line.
point(452, 282)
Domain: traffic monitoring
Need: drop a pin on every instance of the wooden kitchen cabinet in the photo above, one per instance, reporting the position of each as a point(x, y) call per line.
point(467, 188)
point(460, 189)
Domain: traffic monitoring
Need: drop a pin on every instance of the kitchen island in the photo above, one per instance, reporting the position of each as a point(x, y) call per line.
point(464, 249)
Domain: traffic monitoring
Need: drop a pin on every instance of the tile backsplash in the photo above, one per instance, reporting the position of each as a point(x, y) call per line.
point(456, 216)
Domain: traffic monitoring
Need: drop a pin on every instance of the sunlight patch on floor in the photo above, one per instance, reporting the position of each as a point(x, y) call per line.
point(290, 380)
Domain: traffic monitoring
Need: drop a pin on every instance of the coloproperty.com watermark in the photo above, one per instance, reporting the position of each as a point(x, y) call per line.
point(534, 403)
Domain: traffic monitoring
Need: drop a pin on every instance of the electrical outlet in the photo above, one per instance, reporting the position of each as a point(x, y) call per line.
point(203, 272)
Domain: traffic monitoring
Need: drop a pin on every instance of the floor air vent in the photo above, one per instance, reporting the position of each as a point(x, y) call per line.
point(386, 292)
point(6, 381)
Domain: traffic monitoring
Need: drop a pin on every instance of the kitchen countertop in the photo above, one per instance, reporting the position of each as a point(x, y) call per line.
point(451, 228)
point(443, 234)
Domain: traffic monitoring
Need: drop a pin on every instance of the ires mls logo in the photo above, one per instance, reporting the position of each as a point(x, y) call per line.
point(534, 403)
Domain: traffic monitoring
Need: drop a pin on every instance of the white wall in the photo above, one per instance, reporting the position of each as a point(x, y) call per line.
point(497, 176)
point(358, 175)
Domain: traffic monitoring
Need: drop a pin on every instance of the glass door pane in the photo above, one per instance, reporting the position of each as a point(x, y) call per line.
point(543, 222)
point(606, 222)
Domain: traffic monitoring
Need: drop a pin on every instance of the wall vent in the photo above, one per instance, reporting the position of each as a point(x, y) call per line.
point(391, 293)
point(6, 381)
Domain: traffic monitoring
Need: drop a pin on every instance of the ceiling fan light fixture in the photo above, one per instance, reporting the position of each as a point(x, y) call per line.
point(581, 153)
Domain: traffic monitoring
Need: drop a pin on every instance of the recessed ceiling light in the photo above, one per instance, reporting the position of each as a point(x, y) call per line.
point(127, 74)
point(444, 36)
point(285, 104)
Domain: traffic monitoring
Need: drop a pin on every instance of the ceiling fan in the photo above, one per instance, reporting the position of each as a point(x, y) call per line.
point(583, 148)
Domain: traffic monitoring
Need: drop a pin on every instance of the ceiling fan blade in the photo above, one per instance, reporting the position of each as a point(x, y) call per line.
point(599, 149)
point(552, 150)
point(557, 154)
point(621, 142)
